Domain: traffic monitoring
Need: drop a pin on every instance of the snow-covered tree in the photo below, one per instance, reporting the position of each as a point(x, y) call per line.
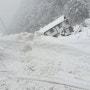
point(77, 11)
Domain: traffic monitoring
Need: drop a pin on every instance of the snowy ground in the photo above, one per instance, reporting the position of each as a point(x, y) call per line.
point(29, 62)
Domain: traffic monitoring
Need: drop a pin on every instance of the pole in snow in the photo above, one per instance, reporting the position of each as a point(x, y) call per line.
point(3, 24)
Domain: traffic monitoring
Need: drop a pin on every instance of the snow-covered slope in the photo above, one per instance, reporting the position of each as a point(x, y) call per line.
point(33, 62)
point(35, 14)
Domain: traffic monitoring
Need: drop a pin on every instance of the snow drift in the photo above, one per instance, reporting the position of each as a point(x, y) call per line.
point(34, 62)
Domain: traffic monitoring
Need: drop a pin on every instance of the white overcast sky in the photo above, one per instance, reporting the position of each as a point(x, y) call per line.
point(7, 9)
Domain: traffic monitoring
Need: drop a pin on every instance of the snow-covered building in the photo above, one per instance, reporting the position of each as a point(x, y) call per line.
point(60, 26)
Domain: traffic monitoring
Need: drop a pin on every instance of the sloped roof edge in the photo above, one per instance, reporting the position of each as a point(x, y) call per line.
point(52, 24)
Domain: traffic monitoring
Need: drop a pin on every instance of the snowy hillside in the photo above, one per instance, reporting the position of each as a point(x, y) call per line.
point(33, 62)
point(34, 14)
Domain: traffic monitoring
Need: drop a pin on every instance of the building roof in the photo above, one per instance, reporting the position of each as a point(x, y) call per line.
point(52, 24)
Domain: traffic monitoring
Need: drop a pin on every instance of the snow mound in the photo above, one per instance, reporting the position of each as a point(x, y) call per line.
point(40, 62)
point(26, 48)
point(19, 37)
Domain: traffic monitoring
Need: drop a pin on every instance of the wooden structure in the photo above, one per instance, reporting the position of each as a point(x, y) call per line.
point(60, 26)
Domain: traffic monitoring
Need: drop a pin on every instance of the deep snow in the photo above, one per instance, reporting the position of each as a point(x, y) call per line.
point(37, 62)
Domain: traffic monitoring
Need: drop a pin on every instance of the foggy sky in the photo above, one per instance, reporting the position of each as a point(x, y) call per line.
point(8, 9)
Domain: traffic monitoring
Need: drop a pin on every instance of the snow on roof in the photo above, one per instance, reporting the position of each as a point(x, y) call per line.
point(52, 24)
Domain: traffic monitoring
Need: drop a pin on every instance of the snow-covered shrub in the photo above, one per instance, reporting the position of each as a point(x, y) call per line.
point(82, 30)
point(77, 29)
point(86, 23)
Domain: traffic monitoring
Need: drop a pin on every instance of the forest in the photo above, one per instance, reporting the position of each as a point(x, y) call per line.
point(35, 14)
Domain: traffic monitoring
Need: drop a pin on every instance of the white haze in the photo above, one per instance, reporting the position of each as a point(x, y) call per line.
point(8, 9)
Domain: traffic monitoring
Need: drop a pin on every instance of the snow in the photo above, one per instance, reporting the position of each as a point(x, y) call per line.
point(32, 62)
point(52, 24)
